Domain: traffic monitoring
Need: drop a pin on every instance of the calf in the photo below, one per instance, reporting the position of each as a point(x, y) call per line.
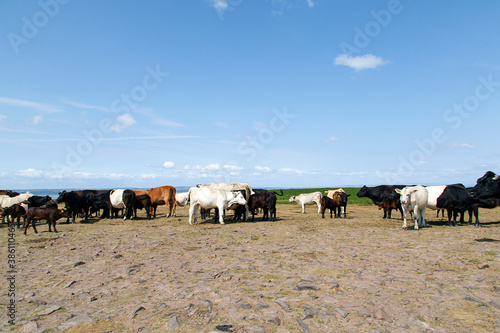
point(328, 203)
point(414, 198)
point(307, 199)
point(15, 211)
point(49, 214)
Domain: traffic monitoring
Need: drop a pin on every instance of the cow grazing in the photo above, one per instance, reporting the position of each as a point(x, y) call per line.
point(488, 186)
point(212, 198)
point(307, 199)
point(15, 211)
point(182, 199)
point(266, 200)
point(380, 195)
point(101, 201)
point(49, 214)
point(414, 198)
point(142, 201)
point(163, 195)
point(123, 199)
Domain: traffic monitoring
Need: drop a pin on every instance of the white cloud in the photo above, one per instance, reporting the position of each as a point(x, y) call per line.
point(359, 62)
point(36, 120)
point(211, 167)
point(310, 3)
point(123, 121)
point(29, 173)
point(331, 139)
point(262, 168)
point(463, 145)
point(2, 117)
point(219, 5)
point(168, 165)
point(289, 170)
point(233, 167)
point(221, 124)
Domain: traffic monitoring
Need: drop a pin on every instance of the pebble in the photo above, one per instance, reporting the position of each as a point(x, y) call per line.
point(302, 325)
point(134, 313)
point(30, 327)
point(49, 310)
point(473, 299)
point(173, 323)
point(284, 306)
point(483, 266)
point(343, 313)
point(75, 321)
point(305, 286)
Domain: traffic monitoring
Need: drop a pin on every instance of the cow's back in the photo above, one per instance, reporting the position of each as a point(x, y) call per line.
point(161, 195)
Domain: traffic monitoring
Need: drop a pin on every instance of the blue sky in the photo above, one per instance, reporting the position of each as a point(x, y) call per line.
point(276, 93)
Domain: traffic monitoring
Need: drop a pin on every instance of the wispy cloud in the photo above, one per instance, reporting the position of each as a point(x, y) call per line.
point(331, 139)
point(123, 121)
point(35, 106)
point(367, 61)
point(262, 168)
point(168, 165)
point(85, 106)
point(35, 120)
point(2, 117)
point(463, 145)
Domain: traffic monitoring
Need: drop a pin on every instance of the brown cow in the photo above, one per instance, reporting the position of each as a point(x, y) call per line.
point(49, 214)
point(14, 211)
point(163, 195)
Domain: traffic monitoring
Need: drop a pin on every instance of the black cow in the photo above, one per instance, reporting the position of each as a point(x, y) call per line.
point(456, 200)
point(266, 200)
point(100, 201)
point(488, 186)
point(142, 201)
point(38, 201)
point(328, 203)
point(76, 202)
point(380, 194)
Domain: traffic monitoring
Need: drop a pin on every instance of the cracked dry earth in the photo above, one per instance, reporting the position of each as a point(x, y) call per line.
point(301, 273)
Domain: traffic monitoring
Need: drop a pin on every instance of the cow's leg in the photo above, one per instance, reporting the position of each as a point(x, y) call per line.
point(193, 210)
point(221, 214)
point(54, 224)
point(26, 225)
point(303, 208)
point(385, 213)
point(34, 226)
point(319, 206)
point(416, 217)
point(404, 219)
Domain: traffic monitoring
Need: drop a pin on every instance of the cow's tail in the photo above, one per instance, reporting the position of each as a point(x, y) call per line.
point(277, 193)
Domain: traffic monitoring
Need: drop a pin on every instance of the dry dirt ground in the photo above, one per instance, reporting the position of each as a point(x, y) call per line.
point(301, 273)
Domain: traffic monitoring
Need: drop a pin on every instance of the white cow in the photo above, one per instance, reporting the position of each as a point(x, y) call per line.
point(122, 199)
point(232, 187)
point(307, 199)
point(208, 198)
point(414, 198)
point(182, 199)
point(6, 201)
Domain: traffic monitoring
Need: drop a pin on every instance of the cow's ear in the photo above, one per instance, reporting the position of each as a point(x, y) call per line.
point(496, 177)
point(398, 191)
point(348, 195)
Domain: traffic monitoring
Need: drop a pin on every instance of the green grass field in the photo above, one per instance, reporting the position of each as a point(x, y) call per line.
point(353, 199)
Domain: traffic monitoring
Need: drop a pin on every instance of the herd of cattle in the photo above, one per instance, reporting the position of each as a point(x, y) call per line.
point(455, 199)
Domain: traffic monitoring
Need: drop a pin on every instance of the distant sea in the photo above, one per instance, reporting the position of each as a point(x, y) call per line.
point(54, 192)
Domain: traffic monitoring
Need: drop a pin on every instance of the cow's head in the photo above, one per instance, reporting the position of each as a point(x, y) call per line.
point(238, 199)
point(405, 194)
point(486, 186)
point(363, 192)
point(292, 198)
point(62, 196)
